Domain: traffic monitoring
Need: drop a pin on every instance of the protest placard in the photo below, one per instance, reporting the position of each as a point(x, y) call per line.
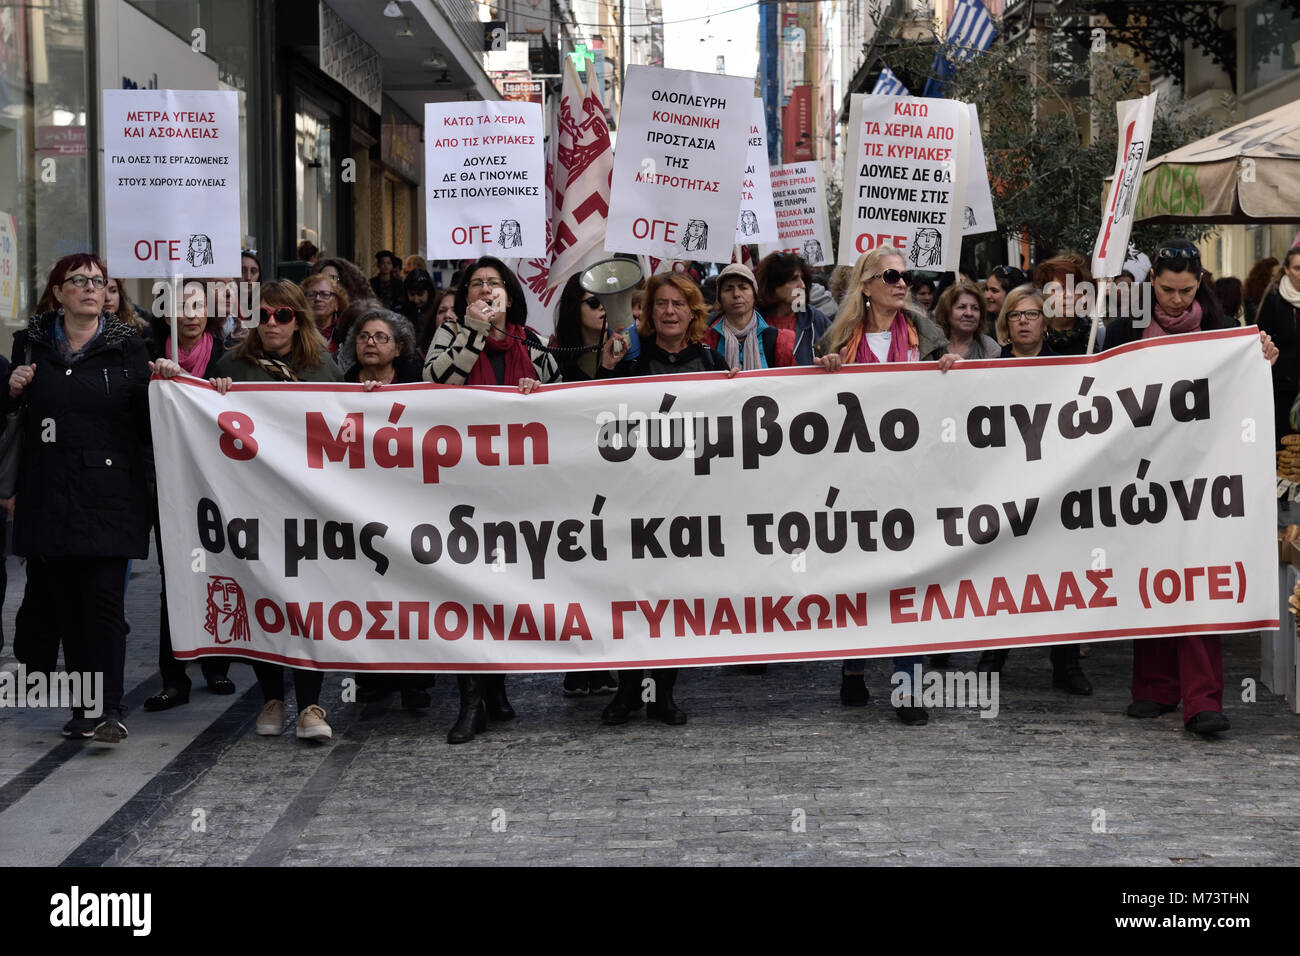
point(171, 183)
point(757, 222)
point(979, 216)
point(801, 219)
point(1132, 150)
point(682, 144)
point(905, 175)
point(485, 180)
point(700, 519)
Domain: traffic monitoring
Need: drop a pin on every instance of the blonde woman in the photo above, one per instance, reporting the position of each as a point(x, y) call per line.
point(878, 323)
point(327, 300)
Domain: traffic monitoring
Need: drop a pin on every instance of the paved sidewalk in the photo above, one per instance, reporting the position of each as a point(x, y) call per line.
point(769, 770)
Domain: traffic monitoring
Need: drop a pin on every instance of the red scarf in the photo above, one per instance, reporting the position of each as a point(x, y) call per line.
point(1165, 324)
point(195, 360)
point(903, 345)
point(518, 364)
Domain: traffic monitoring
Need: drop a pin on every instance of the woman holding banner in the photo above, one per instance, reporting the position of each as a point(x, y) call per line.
point(487, 344)
point(1189, 667)
point(1066, 281)
point(671, 331)
point(877, 323)
point(82, 502)
point(288, 347)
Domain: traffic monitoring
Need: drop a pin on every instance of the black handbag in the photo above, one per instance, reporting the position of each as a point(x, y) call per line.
point(11, 444)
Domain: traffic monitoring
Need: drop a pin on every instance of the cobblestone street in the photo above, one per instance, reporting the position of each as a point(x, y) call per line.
point(770, 770)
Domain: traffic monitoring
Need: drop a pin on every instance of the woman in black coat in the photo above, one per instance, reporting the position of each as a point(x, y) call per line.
point(1279, 316)
point(82, 505)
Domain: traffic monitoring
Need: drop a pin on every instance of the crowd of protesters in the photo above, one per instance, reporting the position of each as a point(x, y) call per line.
point(85, 504)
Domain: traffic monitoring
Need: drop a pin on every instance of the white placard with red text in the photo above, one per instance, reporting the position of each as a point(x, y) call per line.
point(679, 164)
point(905, 174)
point(484, 179)
point(1132, 150)
point(757, 221)
point(426, 528)
point(801, 216)
point(171, 183)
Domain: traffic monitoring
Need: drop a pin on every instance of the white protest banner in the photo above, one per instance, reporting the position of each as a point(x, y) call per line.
point(757, 222)
point(979, 216)
point(905, 179)
point(801, 219)
point(485, 179)
point(1135, 119)
point(171, 182)
point(781, 515)
point(679, 164)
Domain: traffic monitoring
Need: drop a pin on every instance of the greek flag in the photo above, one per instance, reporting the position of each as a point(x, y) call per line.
point(970, 31)
point(887, 84)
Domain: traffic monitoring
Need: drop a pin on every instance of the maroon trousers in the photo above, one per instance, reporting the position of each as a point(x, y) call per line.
point(1187, 668)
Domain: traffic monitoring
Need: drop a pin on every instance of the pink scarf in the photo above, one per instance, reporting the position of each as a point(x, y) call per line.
point(902, 343)
point(195, 360)
point(1166, 324)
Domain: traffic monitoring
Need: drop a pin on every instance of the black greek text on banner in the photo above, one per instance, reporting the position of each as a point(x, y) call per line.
point(690, 520)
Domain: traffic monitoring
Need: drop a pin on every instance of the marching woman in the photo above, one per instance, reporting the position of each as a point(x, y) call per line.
point(1187, 668)
point(1279, 316)
point(1000, 281)
point(201, 348)
point(82, 503)
point(327, 300)
point(783, 280)
point(877, 324)
point(487, 344)
point(579, 334)
point(286, 347)
point(671, 332)
point(1023, 323)
point(1068, 324)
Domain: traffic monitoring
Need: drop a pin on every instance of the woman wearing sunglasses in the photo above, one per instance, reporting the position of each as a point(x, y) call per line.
point(1187, 668)
point(877, 323)
point(487, 344)
point(288, 347)
point(579, 335)
point(82, 507)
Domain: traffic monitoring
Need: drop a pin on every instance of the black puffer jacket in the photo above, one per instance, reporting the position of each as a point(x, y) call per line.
point(84, 489)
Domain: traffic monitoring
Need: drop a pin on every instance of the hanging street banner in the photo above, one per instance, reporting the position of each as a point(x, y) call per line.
point(905, 175)
point(801, 218)
point(1132, 149)
point(680, 161)
point(978, 217)
point(695, 519)
point(171, 183)
point(757, 222)
point(484, 179)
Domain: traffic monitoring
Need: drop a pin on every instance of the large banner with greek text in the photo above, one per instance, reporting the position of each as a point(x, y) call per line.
point(694, 519)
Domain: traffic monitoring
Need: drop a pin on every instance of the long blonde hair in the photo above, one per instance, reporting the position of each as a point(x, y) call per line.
point(854, 307)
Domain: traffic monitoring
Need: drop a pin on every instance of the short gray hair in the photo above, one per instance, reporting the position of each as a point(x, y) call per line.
point(398, 326)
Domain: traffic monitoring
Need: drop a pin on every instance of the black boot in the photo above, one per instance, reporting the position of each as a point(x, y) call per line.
point(472, 718)
point(1066, 672)
point(662, 707)
point(494, 695)
point(992, 662)
point(626, 699)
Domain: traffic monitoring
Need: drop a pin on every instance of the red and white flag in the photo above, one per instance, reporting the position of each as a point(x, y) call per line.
point(584, 162)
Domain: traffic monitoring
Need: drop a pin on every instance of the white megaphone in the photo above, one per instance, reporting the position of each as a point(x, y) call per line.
point(613, 282)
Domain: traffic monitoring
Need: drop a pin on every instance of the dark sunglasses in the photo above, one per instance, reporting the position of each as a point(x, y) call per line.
point(281, 314)
point(893, 276)
point(592, 302)
point(1179, 259)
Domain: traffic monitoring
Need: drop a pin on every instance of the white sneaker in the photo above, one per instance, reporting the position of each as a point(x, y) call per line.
point(312, 726)
point(270, 722)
